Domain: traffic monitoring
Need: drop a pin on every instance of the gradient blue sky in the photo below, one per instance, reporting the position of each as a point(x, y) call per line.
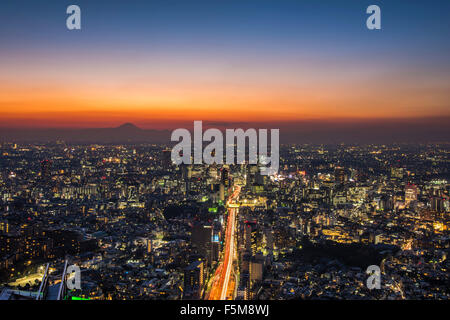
point(178, 59)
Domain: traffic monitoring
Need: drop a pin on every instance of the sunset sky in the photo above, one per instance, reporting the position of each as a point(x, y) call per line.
point(156, 63)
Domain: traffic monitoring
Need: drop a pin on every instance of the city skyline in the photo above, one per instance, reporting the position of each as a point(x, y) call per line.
point(139, 227)
point(262, 153)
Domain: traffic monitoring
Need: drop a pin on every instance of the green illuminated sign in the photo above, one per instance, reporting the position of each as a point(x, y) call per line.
point(79, 298)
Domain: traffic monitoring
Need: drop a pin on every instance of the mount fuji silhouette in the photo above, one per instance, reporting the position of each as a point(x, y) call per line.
point(128, 126)
point(125, 133)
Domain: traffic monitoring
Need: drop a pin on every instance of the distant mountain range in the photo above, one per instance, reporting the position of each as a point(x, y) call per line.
point(126, 133)
point(365, 131)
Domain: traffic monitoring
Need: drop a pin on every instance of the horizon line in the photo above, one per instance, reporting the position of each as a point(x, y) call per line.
point(170, 124)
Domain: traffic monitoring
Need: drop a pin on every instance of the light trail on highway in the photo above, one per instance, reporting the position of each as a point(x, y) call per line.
point(221, 280)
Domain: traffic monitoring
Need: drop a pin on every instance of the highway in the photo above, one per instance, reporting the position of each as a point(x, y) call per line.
point(222, 278)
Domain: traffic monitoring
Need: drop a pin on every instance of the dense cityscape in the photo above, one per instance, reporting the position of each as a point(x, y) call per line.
point(140, 227)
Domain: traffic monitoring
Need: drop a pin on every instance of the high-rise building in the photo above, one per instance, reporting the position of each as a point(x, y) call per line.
point(396, 173)
point(387, 202)
point(201, 238)
point(46, 169)
point(437, 204)
point(252, 237)
point(222, 192)
point(193, 280)
point(340, 176)
point(149, 245)
point(166, 159)
point(4, 226)
point(410, 193)
point(224, 177)
point(256, 268)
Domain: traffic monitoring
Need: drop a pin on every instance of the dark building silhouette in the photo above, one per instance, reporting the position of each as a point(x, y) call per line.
point(193, 280)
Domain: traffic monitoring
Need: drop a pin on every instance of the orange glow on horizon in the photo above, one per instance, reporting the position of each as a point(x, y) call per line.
point(103, 108)
point(41, 93)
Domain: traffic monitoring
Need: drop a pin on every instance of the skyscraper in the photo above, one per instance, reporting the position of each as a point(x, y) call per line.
point(410, 193)
point(224, 177)
point(340, 175)
point(46, 169)
point(201, 238)
point(166, 159)
point(193, 280)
